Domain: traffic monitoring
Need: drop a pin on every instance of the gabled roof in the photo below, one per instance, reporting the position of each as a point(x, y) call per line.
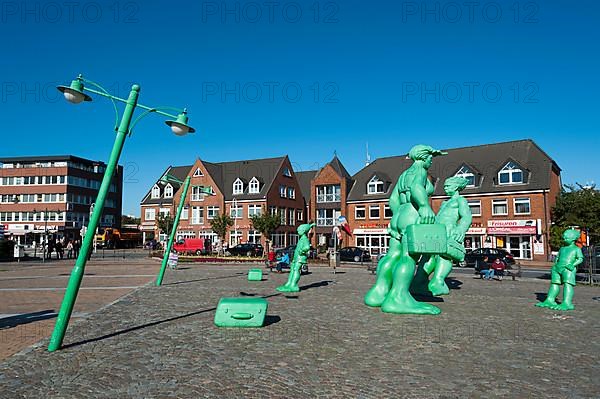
point(486, 159)
point(304, 179)
point(337, 165)
point(179, 172)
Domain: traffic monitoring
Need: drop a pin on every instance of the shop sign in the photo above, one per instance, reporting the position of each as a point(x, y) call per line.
point(512, 227)
point(476, 230)
point(370, 231)
point(512, 223)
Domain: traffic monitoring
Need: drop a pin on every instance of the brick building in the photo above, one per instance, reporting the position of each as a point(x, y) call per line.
point(53, 194)
point(513, 187)
point(242, 189)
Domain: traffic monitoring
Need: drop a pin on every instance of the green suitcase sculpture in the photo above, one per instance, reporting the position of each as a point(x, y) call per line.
point(255, 275)
point(241, 312)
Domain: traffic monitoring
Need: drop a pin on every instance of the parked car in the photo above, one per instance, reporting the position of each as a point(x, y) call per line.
point(477, 255)
point(152, 244)
point(354, 254)
point(312, 253)
point(246, 250)
point(198, 246)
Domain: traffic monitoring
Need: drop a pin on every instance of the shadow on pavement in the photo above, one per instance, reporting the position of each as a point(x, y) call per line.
point(541, 296)
point(136, 328)
point(271, 320)
point(323, 283)
point(26, 318)
point(204, 279)
point(453, 283)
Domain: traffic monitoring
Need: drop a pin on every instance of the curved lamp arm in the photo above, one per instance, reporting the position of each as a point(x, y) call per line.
point(106, 94)
point(149, 110)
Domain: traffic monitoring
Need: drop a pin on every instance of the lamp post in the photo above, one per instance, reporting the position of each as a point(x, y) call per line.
point(75, 94)
point(186, 185)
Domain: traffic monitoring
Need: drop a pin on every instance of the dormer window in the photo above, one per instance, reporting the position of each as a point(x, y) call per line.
point(168, 191)
point(253, 186)
point(511, 173)
point(155, 192)
point(286, 172)
point(198, 173)
point(466, 173)
point(375, 186)
point(238, 186)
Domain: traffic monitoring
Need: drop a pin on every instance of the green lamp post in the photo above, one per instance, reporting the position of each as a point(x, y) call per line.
point(75, 93)
point(186, 184)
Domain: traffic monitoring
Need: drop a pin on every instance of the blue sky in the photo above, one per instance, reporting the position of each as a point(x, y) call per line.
point(265, 79)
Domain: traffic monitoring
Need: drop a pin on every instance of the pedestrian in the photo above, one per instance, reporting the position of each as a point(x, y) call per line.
point(50, 248)
point(76, 247)
point(59, 250)
point(69, 249)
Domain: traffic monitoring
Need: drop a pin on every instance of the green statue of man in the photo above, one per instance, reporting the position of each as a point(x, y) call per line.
point(455, 214)
point(563, 273)
point(300, 258)
point(409, 203)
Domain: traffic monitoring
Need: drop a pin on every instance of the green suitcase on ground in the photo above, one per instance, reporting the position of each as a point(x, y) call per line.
point(255, 275)
point(241, 312)
point(426, 239)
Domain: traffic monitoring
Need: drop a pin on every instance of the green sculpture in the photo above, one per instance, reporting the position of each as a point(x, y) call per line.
point(455, 214)
point(409, 203)
point(563, 273)
point(300, 258)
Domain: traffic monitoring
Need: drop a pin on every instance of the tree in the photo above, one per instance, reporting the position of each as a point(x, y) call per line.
point(126, 219)
point(266, 224)
point(576, 206)
point(165, 223)
point(220, 224)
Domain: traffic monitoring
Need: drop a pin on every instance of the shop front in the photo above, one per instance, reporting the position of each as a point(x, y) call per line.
point(474, 238)
point(376, 240)
point(518, 237)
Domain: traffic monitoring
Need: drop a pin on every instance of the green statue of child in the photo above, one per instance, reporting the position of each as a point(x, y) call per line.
point(300, 258)
point(563, 273)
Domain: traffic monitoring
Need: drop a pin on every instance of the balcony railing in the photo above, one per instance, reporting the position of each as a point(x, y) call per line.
point(325, 222)
point(329, 198)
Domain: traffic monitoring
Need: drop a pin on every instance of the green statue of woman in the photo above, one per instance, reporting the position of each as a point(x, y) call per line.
point(300, 258)
point(455, 214)
point(409, 203)
point(563, 273)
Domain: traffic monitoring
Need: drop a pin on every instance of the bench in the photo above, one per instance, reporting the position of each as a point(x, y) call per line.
point(513, 271)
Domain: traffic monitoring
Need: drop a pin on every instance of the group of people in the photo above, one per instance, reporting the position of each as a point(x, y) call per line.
point(59, 246)
point(488, 270)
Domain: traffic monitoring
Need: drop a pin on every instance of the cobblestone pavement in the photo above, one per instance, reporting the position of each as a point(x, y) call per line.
point(31, 294)
point(160, 342)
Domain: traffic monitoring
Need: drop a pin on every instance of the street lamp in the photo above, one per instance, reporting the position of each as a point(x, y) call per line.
point(186, 184)
point(75, 94)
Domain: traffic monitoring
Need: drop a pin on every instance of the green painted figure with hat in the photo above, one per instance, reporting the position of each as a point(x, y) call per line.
point(563, 273)
point(300, 258)
point(409, 203)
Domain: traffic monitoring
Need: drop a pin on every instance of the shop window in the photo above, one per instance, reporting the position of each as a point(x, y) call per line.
point(499, 207)
point(522, 206)
point(475, 206)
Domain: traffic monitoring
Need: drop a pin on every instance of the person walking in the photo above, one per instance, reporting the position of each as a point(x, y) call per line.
point(69, 249)
point(76, 246)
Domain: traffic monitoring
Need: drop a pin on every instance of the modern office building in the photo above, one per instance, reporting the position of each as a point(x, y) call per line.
point(52, 195)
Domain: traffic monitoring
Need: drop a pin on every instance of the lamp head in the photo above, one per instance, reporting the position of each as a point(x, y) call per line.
point(180, 126)
point(74, 93)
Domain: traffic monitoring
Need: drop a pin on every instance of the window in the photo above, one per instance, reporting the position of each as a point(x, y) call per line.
point(150, 214)
point(286, 172)
point(198, 173)
point(254, 210)
point(387, 212)
point(374, 212)
point(197, 194)
point(300, 215)
point(466, 173)
point(511, 173)
point(238, 187)
point(359, 212)
point(254, 236)
point(212, 212)
point(475, 206)
point(164, 212)
point(522, 206)
point(272, 210)
point(168, 191)
point(375, 186)
point(254, 186)
point(327, 217)
point(236, 211)
point(291, 192)
point(185, 213)
point(282, 191)
point(283, 216)
point(500, 207)
point(155, 192)
point(234, 238)
point(197, 215)
point(291, 217)
point(331, 193)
